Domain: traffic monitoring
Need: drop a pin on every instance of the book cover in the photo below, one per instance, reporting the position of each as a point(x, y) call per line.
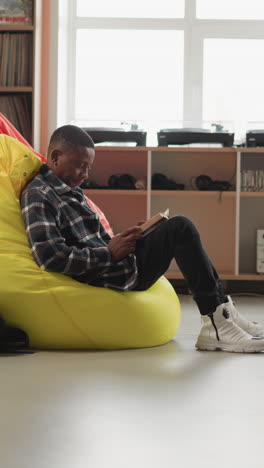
point(16, 11)
point(152, 223)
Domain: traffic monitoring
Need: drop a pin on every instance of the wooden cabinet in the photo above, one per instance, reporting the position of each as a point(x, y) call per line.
point(227, 221)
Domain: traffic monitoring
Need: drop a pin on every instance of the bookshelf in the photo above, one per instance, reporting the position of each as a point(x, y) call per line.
point(17, 80)
point(227, 221)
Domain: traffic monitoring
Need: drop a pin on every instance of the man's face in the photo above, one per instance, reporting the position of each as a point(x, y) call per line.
point(73, 166)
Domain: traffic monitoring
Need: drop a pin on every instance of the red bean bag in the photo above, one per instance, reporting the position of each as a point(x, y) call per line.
point(8, 129)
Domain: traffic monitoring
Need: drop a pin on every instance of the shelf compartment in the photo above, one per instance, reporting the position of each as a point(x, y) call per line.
point(251, 219)
point(112, 162)
point(121, 211)
point(184, 167)
point(214, 219)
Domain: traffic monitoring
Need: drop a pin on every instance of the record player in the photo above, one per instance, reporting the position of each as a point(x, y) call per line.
point(255, 138)
point(186, 136)
point(116, 135)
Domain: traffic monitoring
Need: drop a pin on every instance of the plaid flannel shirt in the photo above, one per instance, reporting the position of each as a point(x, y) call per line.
point(66, 235)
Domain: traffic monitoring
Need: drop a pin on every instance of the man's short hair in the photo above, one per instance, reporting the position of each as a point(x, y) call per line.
point(69, 136)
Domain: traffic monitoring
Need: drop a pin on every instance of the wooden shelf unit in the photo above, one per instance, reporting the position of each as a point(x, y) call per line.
point(17, 102)
point(221, 217)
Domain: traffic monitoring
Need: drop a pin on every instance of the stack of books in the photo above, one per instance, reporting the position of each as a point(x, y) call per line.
point(252, 180)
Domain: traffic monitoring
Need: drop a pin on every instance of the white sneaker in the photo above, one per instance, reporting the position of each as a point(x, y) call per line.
point(220, 332)
point(253, 328)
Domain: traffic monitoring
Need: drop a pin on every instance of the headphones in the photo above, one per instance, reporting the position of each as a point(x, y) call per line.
point(204, 182)
point(122, 181)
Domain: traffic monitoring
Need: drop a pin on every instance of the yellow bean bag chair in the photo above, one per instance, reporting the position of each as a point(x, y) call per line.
point(56, 311)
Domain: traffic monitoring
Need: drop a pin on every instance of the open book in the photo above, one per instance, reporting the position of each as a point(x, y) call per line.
point(154, 222)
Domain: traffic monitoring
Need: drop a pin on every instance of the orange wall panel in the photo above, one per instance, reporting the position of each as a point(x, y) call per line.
point(45, 76)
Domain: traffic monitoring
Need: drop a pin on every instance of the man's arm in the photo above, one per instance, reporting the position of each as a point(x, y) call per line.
point(48, 246)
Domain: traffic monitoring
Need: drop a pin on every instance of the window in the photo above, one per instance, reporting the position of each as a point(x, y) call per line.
point(233, 80)
point(128, 75)
point(179, 62)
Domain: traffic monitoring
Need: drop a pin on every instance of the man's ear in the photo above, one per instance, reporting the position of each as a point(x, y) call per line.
point(55, 156)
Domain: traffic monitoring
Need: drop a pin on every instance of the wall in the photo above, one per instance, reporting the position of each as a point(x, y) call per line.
point(45, 82)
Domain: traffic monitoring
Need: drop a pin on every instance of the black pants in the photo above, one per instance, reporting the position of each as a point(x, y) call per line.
point(178, 238)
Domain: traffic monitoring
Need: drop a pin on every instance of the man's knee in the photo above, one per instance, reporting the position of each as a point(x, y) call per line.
point(184, 226)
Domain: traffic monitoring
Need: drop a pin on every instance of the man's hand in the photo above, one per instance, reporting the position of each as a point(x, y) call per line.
point(124, 243)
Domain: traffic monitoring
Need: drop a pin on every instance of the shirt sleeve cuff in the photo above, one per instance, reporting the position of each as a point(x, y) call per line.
point(104, 256)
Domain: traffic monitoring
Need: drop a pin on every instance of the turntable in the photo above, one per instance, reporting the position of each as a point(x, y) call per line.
point(116, 135)
point(186, 136)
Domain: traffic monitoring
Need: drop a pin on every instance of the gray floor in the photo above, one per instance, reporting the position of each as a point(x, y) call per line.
point(166, 406)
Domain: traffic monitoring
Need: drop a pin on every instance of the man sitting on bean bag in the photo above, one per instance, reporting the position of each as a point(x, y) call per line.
point(66, 236)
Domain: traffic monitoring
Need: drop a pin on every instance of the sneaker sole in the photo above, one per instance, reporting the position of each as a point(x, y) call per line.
point(206, 345)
